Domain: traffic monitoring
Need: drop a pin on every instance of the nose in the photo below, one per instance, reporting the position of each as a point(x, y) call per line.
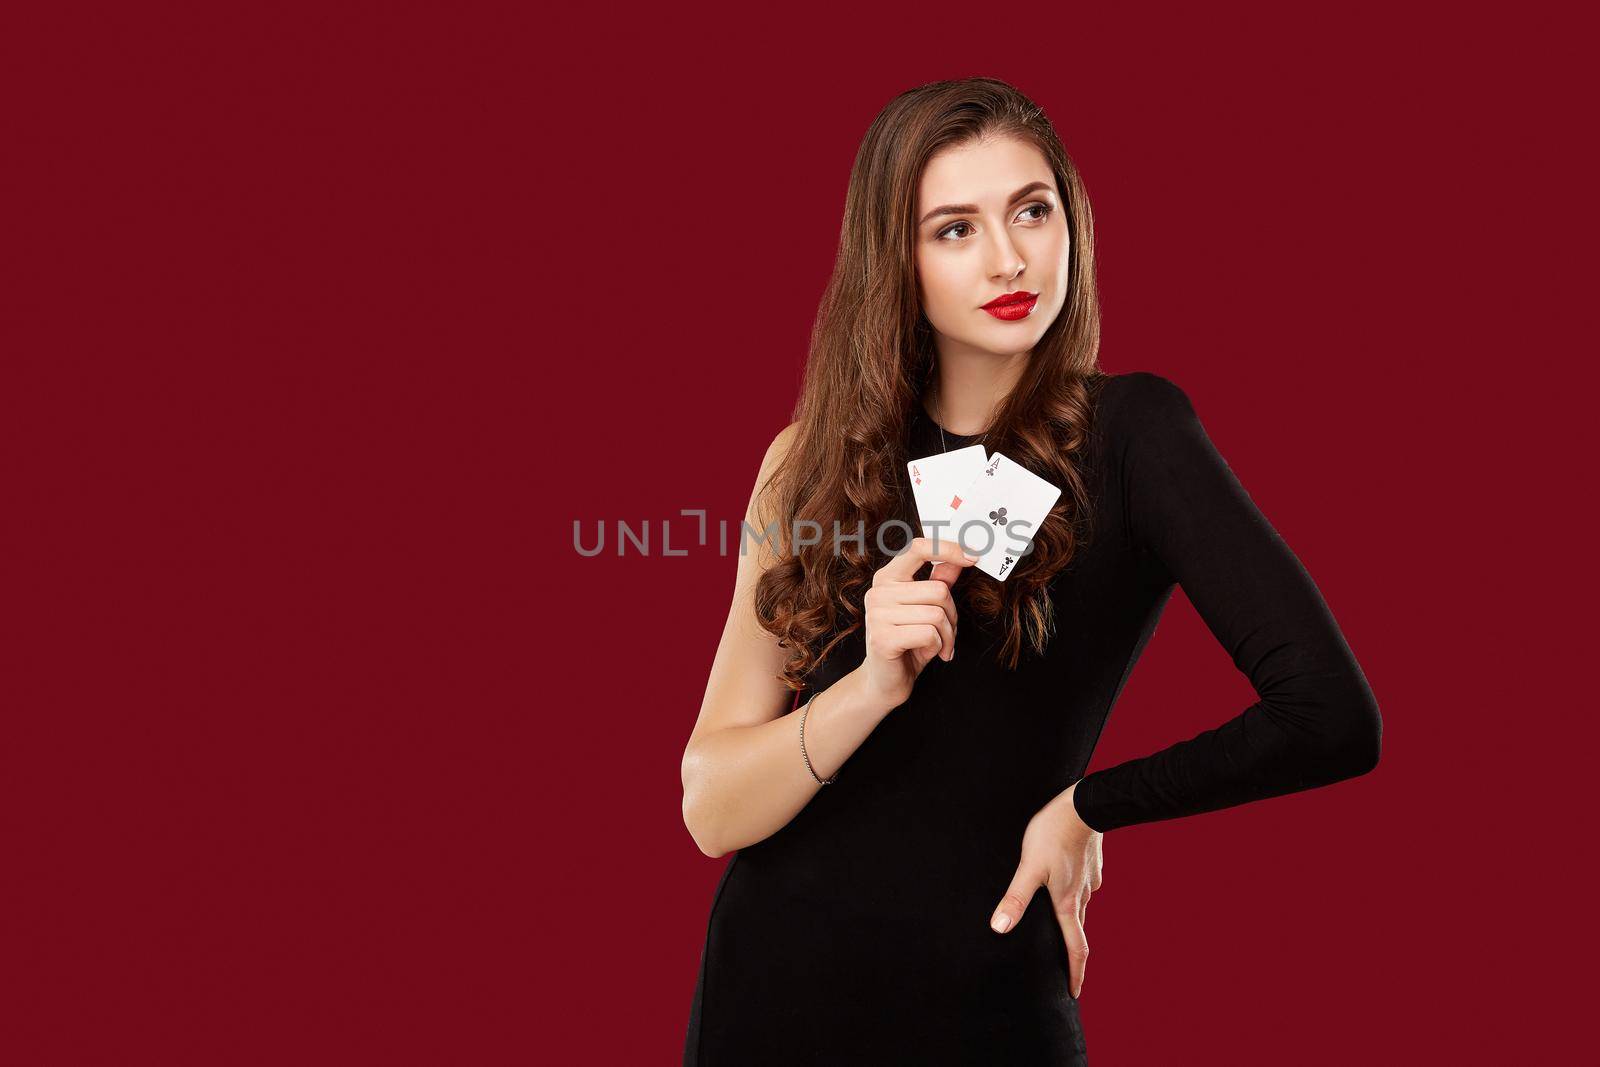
point(1004, 261)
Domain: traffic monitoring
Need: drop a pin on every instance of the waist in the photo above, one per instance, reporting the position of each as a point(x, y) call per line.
point(925, 942)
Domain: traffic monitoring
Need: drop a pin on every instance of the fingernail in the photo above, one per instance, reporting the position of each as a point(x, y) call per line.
point(1000, 923)
point(970, 559)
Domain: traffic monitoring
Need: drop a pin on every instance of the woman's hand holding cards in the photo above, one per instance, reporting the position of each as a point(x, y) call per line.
point(909, 622)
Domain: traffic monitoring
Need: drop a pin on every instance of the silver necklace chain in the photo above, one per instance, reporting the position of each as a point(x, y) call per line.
point(938, 415)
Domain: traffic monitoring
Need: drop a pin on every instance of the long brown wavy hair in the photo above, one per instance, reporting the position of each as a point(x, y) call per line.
point(872, 353)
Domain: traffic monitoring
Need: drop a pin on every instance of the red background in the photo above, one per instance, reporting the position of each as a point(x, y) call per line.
point(322, 743)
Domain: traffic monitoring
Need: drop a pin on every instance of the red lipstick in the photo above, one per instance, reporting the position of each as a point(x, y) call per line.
point(1012, 306)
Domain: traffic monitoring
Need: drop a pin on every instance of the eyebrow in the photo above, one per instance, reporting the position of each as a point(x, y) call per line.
point(973, 209)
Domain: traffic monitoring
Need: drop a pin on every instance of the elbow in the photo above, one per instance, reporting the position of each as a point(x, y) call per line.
point(698, 830)
point(1361, 742)
point(693, 819)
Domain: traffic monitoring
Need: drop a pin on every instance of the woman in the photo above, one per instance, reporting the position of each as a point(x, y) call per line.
point(915, 843)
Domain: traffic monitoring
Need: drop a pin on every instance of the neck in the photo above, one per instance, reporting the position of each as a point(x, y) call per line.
point(971, 386)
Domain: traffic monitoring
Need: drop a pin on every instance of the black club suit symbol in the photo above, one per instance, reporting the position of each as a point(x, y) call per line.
point(999, 517)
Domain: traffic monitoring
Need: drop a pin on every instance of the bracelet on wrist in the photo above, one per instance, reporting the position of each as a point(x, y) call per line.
point(806, 756)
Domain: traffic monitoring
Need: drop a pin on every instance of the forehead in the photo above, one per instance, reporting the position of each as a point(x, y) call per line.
point(981, 173)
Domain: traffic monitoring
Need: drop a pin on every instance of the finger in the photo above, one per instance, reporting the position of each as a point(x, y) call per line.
point(914, 637)
point(1023, 885)
point(924, 615)
point(932, 594)
point(947, 574)
point(920, 616)
point(947, 635)
point(1077, 949)
point(924, 592)
point(904, 567)
point(935, 648)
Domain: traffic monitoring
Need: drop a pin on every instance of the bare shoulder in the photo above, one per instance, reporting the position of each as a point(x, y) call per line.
point(768, 482)
point(772, 463)
point(780, 446)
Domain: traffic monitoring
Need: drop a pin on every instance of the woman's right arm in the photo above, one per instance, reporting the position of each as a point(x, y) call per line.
point(743, 775)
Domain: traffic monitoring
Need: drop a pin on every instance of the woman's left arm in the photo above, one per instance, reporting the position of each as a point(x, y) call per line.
point(1315, 720)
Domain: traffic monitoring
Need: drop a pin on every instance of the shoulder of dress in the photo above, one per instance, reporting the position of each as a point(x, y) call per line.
point(1139, 401)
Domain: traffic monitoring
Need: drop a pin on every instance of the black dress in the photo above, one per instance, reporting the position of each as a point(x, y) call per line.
point(859, 932)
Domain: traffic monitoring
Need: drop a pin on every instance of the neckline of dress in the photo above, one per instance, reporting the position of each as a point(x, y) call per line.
point(951, 437)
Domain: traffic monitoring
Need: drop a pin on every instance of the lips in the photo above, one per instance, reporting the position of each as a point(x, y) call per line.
point(1021, 296)
point(1012, 306)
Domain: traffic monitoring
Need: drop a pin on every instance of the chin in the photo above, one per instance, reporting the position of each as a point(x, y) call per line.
point(1009, 339)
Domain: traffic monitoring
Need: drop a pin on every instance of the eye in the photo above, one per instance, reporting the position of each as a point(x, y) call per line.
point(1044, 210)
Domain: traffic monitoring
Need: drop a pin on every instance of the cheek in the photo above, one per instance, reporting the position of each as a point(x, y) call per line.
point(940, 284)
point(1052, 249)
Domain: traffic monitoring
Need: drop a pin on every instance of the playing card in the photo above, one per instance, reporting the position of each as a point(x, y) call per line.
point(936, 479)
point(996, 516)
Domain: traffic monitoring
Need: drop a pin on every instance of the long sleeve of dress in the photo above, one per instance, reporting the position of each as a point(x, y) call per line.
point(1316, 720)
